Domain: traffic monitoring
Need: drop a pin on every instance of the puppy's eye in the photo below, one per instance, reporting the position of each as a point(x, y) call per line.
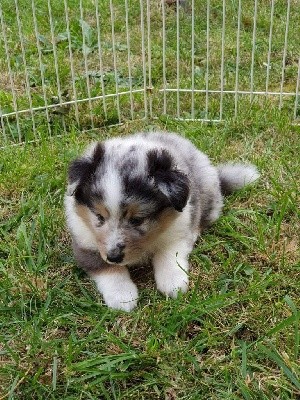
point(136, 221)
point(101, 219)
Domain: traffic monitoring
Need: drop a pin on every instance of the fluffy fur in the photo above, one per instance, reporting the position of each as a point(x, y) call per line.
point(141, 199)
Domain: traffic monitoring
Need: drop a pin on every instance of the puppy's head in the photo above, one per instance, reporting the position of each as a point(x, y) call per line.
point(127, 199)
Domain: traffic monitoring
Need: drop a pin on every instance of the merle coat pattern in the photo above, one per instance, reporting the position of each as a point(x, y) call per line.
point(144, 199)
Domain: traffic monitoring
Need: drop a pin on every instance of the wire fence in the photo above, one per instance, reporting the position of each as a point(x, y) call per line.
point(91, 63)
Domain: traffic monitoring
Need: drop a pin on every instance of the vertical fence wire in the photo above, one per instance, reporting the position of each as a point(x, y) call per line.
point(178, 58)
point(297, 105)
point(27, 82)
point(253, 51)
point(144, 58)
point(222, 59)
point(270, 46)
point(149, 57)
point(237, 64)
point(2, 123)
point(72, 68)
point(193, 60)
point(164, 56)
point(54, 48)
point(129, 58)
point(207, 58)
point(10, 73)
point(99, 44)
point(2, 126)
point(86, 66)
point(112, 16)
point(38, 46)
point(284, 50)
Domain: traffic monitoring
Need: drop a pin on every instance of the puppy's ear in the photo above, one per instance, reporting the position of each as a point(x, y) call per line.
point(81, 172)
point(173, 183)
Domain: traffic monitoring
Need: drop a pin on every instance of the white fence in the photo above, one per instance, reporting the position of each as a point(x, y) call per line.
point(90, 63)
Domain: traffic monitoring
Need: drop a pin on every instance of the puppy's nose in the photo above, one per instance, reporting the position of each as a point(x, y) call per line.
point(116, 255)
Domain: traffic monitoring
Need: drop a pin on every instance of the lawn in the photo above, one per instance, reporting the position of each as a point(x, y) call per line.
point(235, 334)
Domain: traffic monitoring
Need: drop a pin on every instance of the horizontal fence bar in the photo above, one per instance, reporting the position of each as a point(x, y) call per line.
point(65, 103)
point(197, 119)
point(60, 136)
point(229, 92)
point(214, 91)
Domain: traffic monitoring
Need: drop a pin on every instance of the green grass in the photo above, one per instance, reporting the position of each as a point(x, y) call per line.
point(235, 334)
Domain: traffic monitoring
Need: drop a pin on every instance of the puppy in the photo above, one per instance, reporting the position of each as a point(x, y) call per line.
point(141, 199)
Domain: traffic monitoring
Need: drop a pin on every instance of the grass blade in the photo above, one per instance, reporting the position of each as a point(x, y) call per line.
point(292, 305)
point(54, 372)
point(244, 360)
point(275, 356)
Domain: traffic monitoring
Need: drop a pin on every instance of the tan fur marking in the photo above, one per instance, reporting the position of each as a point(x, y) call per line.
point(83, 213)
point(101, 209)
point(165, 220)
point(131, 210)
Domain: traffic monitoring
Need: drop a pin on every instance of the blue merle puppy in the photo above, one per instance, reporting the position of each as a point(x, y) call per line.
point(144, 199)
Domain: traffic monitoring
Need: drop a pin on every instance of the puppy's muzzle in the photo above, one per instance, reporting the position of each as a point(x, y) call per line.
point(116, 255)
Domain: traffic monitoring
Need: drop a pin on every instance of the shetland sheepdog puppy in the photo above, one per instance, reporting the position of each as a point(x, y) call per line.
point(144, 199)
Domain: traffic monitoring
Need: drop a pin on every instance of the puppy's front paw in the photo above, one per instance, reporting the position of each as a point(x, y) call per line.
point(118, 290)
point(125, 298)
point(124, 302)
point(171, 282)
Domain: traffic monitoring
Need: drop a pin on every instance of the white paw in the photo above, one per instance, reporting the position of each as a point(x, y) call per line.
point(171, 282)
point(118, 290)
point(125, 298)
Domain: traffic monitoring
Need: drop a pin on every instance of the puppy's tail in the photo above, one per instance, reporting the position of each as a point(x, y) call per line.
point(235, 176)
